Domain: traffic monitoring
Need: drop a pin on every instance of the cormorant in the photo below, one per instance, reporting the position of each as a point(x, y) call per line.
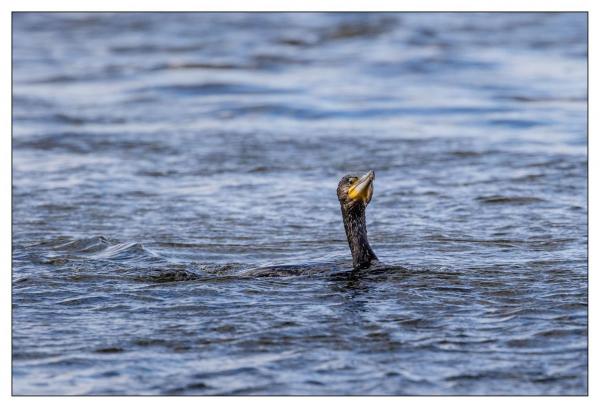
point(355, 193)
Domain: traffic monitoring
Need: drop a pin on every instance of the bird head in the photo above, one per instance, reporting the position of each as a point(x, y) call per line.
point(353, 190)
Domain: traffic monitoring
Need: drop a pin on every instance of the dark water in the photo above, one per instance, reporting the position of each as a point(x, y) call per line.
point(176, 228)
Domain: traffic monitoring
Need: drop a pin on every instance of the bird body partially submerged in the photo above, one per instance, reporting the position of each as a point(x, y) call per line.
point(354, 194)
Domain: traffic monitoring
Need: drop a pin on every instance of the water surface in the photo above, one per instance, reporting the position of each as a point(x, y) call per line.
point(176, 228)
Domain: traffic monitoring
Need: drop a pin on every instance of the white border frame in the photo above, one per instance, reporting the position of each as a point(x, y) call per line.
point(7, 6)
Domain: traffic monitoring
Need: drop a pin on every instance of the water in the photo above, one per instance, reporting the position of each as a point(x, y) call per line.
point(176, 228)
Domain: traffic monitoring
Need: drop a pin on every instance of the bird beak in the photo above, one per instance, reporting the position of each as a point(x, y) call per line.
point(363, 188)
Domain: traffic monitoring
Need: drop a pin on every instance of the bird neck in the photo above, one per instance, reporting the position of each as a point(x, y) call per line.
point(355, 225)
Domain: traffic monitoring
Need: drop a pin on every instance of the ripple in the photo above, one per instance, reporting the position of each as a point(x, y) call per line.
point(151, 48)
point(166, 276)
point(214, 88)
point(109, 350)
point(188, 388)
point(515, 200)
point(84, 300)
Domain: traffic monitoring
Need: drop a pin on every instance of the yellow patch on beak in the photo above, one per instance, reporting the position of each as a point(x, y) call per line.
point(362, 188)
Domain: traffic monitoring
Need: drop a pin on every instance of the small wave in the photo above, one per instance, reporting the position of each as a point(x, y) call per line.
point(173, 66)
point(156, 49)
point(61, 251)
point(317, 269)
point(309, 112)
point(126, 251)
point(83, 245)
point(85, 300)
point(188, 388)
point(108, 73)
point(167, 275)
point(496, 375)
point(465, 153)
point(109, 350)
point(498, 199)
point(336, 270)
point(347, 30)
point(427, 65)
point(359, 28)
point(58, 79)
point(57, 261)
point(540, 98)
point(214, 88)
point(558, 333)
point(266, 62)
point(514, 123)
point(71, 119)
point(91, 142)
